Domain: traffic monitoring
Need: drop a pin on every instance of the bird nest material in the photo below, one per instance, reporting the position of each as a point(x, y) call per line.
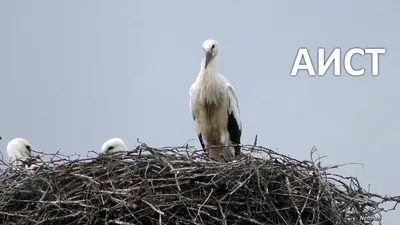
point(180, 186)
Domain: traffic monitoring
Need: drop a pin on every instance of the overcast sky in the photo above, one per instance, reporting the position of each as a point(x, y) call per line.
point(76, 73)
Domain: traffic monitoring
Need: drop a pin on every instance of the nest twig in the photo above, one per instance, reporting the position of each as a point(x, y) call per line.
point(181, 186)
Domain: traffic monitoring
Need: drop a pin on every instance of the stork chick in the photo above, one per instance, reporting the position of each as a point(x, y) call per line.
point(214, 108)
point(112, 146)
point(18, 151)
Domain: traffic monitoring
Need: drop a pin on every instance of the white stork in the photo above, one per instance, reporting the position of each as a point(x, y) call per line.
point(112, 146)
point(19, 151)
point(214, 108)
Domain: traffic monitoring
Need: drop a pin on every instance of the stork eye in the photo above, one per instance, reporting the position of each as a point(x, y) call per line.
point(212, 47)
point(110, 148)
point(28, 147)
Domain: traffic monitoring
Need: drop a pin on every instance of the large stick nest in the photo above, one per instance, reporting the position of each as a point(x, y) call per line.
point(180, 186)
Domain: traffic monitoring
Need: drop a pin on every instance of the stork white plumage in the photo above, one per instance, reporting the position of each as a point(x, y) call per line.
point(113, 145)
point(215, 108)
point(18, 151)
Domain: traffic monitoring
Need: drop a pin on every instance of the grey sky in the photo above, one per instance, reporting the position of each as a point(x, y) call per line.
point(76, 73)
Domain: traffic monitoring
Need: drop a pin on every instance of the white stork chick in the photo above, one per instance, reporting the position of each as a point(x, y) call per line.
point(19, 151)
point(214, 108)
point(112, 146)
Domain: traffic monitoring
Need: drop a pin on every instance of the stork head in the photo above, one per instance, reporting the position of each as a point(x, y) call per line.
point(18, 149)
point(210, 50)
point(113, 145)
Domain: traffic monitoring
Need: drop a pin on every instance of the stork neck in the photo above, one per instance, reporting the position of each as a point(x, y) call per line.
point(207, 76)
point(208, 80)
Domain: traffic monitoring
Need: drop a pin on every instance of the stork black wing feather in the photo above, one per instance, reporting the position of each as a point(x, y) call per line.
point(234, 132)
point(201, 141)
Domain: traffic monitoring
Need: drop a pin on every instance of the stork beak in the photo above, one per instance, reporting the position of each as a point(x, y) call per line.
point(208, 58)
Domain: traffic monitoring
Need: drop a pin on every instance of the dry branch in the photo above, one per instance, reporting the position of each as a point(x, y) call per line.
point(180, 186)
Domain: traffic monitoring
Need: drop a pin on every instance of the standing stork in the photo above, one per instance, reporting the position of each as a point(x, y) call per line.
point(214, 108)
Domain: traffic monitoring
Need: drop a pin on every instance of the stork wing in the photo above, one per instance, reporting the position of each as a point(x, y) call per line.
point(234, 122)
point(191, 100)
point(191, 106)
